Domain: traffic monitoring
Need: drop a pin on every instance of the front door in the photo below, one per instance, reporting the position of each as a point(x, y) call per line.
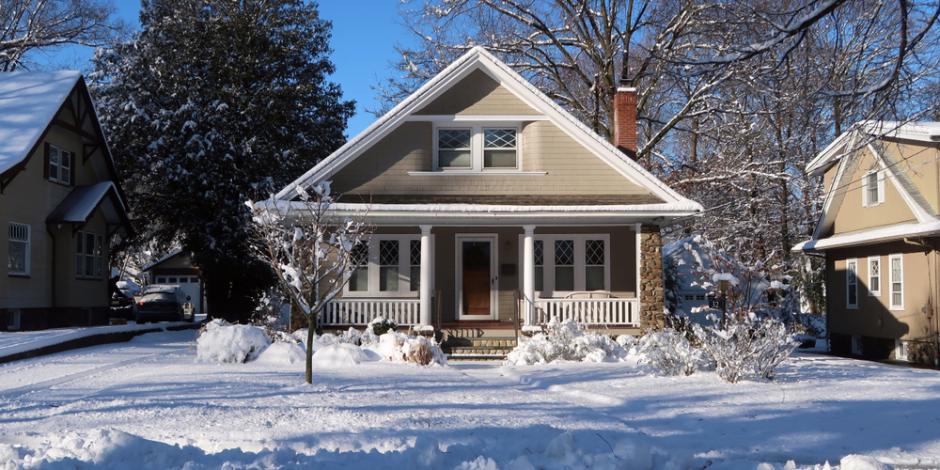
point(476, 282)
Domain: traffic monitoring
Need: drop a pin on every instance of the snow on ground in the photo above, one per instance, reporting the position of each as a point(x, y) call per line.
point(149, 404)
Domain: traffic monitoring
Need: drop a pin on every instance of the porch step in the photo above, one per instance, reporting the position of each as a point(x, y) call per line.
point(480, 348)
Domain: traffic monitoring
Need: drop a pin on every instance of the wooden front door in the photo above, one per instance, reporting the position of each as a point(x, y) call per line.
point(477, 277)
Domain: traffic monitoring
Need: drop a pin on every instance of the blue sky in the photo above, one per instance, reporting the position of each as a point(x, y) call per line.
point(365, 34)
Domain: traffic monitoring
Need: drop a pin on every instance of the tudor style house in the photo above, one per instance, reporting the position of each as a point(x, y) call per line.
point(493, 207)
point(880, 232)
point(60, 205)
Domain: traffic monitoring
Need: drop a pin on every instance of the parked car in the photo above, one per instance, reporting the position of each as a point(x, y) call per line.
point(158, 302)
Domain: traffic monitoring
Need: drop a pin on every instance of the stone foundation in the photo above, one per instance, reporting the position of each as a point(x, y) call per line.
point(651, 277)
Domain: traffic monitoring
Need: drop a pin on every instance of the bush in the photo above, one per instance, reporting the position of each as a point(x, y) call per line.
point(220, 341)
point(380, 326)
point(670, 352)
point(565, 341)
point(423, 351)
point(747, 346)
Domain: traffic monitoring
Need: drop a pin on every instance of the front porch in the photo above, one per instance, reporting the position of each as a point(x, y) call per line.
point(495, 281)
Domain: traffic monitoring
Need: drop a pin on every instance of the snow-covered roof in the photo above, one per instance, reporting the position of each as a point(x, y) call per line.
point(923, 131)
point(865, 237)
point(28, 103)
point(78, 206)
point(478, 58)
point(162, 259)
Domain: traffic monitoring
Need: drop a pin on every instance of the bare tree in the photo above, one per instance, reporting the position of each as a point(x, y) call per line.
point(311, 252)
point(29, 25)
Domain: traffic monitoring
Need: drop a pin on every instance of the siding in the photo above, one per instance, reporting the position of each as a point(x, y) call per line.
point(918, 163)
point(852, 215)
point(477, 93)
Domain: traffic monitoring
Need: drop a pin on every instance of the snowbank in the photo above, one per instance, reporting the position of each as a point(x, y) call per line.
point(342, 355)
point(224, 342)
point(281, 352)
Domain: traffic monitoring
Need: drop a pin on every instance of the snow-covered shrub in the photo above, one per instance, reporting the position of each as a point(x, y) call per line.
point(565, 341)
point(223, 342)
point(342, 355)
point(350, 336)
point(626, 342)
point(423, 351)
point(368, 337)
point(282, 352)
point(381, 325)
point(746, 346)
point(669, 352)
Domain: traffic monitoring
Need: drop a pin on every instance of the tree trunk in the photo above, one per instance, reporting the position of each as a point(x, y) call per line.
point(308, 370)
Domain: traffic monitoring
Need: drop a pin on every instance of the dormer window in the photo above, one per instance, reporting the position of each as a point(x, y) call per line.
point(873, 188)
point(477, 148)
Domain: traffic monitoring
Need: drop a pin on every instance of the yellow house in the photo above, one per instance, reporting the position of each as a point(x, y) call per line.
point(495, 209)
point(60, 204)
point(880, 232)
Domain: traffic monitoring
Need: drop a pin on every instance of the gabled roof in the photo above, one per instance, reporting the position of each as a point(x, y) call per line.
point(925, 131)
point(163, 259)
point(479, 58)
point(28, 103)
point(81, 203)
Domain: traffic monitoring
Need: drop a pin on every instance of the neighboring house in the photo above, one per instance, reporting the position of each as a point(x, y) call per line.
point(60, 205)
point(879, 233)
point(177, 268)
point(492, 205)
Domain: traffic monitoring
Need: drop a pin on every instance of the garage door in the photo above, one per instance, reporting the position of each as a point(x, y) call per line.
point(189, 286)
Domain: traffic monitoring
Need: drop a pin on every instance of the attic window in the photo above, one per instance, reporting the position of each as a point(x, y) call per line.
point(873, 188)
point(480, 147)
point(60, 165)
point(454, 148)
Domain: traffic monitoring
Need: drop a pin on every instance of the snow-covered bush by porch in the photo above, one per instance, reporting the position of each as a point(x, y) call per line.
point(746, 347)
point(223, 342)
point(670, 352)
point(565, 341)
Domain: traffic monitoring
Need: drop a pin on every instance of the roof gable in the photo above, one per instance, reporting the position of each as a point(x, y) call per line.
point(477, 93)
point(478, 60)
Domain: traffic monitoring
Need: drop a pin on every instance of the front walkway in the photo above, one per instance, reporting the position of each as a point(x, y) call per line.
point(81, 403)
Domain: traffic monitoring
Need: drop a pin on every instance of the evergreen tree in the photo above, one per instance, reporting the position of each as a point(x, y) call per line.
point(211, 104)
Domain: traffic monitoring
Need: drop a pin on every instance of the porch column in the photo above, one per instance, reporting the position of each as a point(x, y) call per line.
point(528, 274)
point(425, 282)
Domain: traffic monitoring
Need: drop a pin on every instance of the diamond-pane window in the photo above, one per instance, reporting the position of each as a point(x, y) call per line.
point(539, 249)
point(388, 253)
point(360, 254)
point(564, 252)
point(499, 138)
point(499, 148)
point(415, 252)
point(415, 271)
point(453, 148)
point(594, 252)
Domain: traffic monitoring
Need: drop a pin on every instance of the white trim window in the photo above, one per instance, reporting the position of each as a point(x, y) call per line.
point(851, 283)
point(60, 165)
point(566, 263)
point(874, 276)
point(485, 147)
point(18, 249)
point(896, 282)
point(89, 255)
point(873, 188)
point(386, 265)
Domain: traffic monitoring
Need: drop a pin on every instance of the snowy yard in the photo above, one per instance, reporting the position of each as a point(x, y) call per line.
point(148, 404)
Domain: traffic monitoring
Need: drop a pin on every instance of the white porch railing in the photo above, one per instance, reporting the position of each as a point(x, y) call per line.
point(362, 311)
point(613, 311)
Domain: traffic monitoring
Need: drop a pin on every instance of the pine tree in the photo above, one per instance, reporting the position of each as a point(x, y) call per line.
point(211, 104)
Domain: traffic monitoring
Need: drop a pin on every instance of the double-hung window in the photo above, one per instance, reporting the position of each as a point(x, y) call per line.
point(18, 249)
point(386, 266)
point(60, 165)
point(566, 263)
point(89, 255)
point(873, 188)
point(896, 281)
point(477, 148)
point(851, 283)
point(874, 275)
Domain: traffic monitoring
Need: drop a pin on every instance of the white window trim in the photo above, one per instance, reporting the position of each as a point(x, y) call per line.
point(99, 260)
point(476, 147)
point(891, 281)
point(874, 290)
point(881, 188)
point(404, 269)
point(548, 260)
point(67, 179)
point(851, 277)
point(29, 248)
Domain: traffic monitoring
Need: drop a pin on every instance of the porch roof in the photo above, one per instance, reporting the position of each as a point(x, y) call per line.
point(480, 214)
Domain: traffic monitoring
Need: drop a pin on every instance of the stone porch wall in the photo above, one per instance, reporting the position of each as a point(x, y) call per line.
point(651, 277)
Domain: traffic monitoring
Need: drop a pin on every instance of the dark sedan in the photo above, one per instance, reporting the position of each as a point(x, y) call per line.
point(158, 302)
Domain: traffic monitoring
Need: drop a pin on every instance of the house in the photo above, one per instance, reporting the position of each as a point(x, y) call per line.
point(493, 208)
point(60, 204)
point(177, 268)
point(879, 232)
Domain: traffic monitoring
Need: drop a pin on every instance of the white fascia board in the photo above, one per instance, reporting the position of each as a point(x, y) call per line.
point(475, 117)
point(867, 237)
point(925, 131)
point(922, 214)
point(823, 159)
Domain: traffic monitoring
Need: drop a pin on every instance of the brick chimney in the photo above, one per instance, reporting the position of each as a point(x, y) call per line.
point(624, 132)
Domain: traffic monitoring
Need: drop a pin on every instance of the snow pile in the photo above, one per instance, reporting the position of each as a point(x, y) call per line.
point(565, 341)
point(282, 352)
point(340, 355)
point(224, 342)
point(399, 347)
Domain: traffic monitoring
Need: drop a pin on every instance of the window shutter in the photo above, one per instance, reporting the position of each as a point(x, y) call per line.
point(45, 161)
point(881, 186)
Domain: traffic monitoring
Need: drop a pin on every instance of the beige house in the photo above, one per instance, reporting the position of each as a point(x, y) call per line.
point(60, 205)
point(879, 233)
point(494, 209)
